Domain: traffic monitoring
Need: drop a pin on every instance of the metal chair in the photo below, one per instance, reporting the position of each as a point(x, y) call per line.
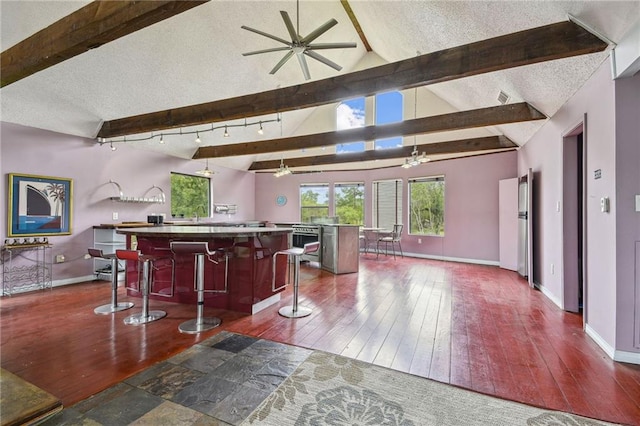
point(114, 306)
point(200, 249)
point(393, 238)
point(147, 261)
point(294, 311)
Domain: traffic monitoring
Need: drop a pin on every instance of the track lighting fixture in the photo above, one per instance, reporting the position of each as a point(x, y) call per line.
point(226, 127)
point(113, 148)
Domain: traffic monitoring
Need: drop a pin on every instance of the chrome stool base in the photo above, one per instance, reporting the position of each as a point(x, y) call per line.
point(196, 326)
point(137, 319)
point(110, 308)
point(292, 312)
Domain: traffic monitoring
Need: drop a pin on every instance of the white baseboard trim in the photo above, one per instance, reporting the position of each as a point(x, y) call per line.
point(446, 258)
point(614, 354)
point(606, 347)
point(556, 300)
point(263, 304)
point(76, 280)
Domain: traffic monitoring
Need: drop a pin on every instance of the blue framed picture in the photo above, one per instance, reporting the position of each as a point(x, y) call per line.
point(39, 205)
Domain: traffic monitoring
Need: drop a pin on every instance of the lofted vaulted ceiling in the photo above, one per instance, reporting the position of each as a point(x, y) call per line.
point(139, 69)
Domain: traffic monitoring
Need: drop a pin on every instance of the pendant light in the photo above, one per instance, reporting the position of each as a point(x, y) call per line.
point(415, 159)
point(206, 172)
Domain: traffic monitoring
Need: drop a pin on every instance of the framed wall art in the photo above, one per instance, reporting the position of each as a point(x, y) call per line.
point(39, 205)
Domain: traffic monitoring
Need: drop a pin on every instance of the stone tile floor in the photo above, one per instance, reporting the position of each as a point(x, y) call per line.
point(219, 381)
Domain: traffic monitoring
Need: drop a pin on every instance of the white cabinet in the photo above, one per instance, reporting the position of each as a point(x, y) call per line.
point(107, 240)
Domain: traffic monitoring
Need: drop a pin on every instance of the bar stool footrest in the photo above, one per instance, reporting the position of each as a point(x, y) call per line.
point(194, 326)
point(137, 319)
point(110, 308)
point(289, 312)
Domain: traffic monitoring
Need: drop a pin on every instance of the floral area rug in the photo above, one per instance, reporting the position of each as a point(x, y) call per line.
point(329, 389)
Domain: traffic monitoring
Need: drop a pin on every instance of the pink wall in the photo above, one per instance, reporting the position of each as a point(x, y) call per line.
point(611, 140)
point(33, 151)
point(471, 202)
point(627, 106)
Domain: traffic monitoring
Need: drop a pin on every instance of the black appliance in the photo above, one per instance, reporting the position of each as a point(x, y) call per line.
point(307, 233)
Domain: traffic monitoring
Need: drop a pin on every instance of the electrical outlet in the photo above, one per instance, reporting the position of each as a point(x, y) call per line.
point(553, 269)
point(114, 215)
point(419, 240)
point(59, 258)
point(87, 256)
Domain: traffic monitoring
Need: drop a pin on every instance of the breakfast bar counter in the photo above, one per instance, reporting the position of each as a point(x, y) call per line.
point(245, 259)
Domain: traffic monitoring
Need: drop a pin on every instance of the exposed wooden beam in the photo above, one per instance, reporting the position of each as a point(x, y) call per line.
point(464, 145)
point(503, 114)
point(93, 25)
point(356, 24)
point(555, 41)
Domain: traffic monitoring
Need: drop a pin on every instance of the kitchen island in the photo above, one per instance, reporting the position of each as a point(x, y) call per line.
point(248, 267)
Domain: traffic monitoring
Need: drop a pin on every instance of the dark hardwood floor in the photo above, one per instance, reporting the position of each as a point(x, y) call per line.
point(477, 327)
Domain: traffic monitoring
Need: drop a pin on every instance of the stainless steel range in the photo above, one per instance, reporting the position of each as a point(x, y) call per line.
point(307, 233)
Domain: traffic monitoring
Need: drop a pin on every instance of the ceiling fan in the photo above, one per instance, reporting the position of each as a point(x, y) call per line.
point(300, 46)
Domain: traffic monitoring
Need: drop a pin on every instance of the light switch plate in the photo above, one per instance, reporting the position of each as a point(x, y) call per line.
point(638, 203)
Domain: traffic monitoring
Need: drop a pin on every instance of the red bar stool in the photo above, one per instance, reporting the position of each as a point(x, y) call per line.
point(294, 311)
point(200, 249)
point(147, 261)
point(114, 306)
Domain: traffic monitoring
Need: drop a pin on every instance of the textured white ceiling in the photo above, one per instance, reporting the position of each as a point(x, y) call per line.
point(196, 57)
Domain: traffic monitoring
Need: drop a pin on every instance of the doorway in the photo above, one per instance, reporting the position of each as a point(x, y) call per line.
point(573, 218)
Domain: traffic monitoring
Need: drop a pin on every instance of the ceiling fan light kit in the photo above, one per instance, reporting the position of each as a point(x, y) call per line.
point(300, 46)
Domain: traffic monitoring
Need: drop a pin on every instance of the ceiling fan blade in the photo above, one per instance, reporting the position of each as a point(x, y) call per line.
point(319, 31)
point(303, 65)
point(284, 59)
point(262, 33)
point(292, 31)
point(319, 46)
point(322, 59)
point(274, 49)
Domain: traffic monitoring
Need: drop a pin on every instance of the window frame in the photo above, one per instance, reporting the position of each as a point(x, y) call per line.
point(311, 185)
point(359, 184)
point(426, 179)
point(399, 214)
point(209, 194)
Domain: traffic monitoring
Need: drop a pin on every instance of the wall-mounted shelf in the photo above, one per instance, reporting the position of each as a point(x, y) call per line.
point(146, 198)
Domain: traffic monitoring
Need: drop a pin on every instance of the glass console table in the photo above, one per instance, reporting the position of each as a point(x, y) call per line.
point(25, 267)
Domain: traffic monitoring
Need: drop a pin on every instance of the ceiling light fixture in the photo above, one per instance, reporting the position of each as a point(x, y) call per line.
point(181, 132)
point(206, 171)
point(113, 148)
point(415, 159)
point(261, 130)
point(283, 170)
